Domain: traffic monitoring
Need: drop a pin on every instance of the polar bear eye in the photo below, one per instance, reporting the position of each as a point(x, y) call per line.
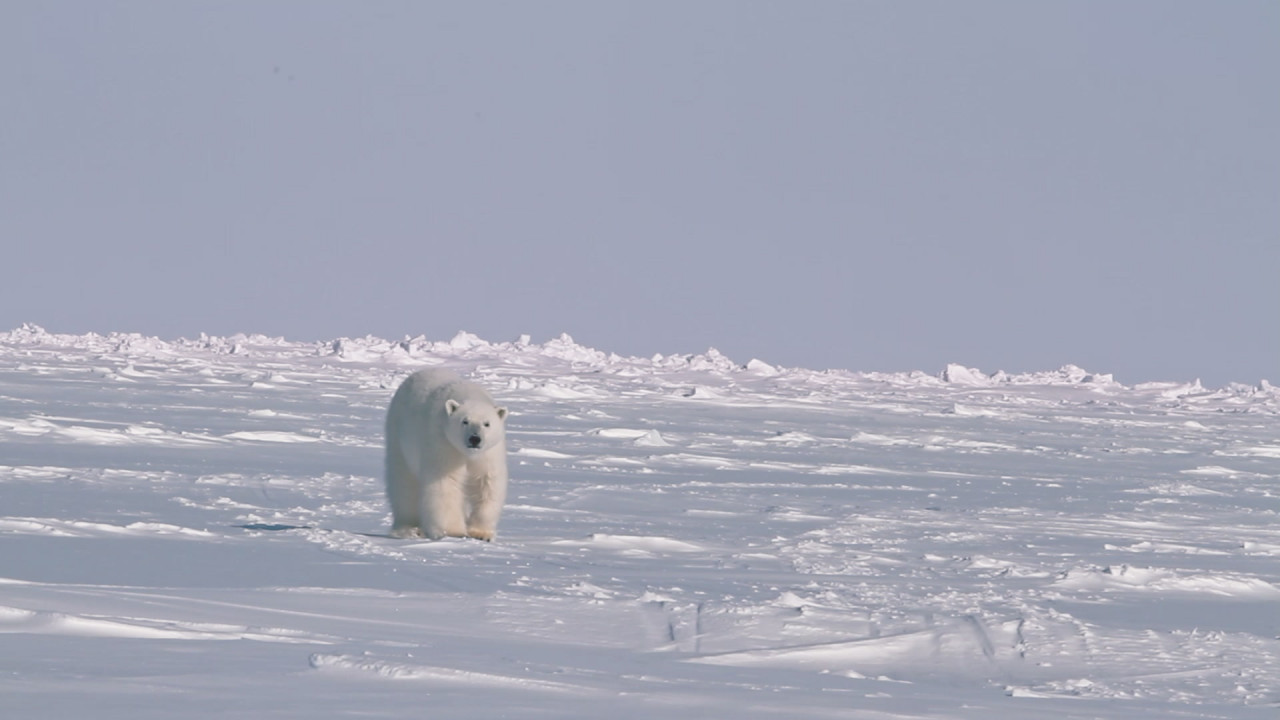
point(486, 423)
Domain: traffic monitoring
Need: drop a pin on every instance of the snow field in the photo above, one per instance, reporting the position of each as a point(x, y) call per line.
point(684, 535)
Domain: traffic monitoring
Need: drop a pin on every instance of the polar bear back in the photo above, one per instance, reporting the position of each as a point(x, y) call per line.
point(430, 388)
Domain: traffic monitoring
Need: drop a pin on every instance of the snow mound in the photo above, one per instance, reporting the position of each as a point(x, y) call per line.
point(466, 346)
point(1162, 580)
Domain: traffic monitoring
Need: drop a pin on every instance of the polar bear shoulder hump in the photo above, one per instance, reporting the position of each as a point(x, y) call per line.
point(435, 385)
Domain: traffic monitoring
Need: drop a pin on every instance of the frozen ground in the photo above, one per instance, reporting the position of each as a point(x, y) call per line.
point(196, 529)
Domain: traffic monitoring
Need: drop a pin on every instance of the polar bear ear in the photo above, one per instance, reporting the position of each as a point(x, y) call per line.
point(502, 413)
point(451, 406)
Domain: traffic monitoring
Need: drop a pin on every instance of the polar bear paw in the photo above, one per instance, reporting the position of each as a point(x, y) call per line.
point(484, 534)
point(407, 532)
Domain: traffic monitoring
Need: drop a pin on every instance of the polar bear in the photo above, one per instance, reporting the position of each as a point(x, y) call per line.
point(446, 458)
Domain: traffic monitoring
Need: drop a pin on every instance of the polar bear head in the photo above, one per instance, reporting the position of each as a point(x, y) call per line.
point(474, 427)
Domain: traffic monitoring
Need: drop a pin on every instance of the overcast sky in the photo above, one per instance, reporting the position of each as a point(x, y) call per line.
point(859, 185)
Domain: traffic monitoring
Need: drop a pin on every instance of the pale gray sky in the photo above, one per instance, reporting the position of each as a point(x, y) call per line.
point(861, 185)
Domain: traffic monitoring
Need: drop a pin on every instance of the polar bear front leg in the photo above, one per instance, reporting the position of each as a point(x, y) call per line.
point(442, 508)
point(486, 496)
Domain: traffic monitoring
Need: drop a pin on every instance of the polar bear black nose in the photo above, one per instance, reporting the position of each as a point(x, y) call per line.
point(474, 441)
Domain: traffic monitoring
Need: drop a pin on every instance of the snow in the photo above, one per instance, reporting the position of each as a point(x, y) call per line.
point(196, 528)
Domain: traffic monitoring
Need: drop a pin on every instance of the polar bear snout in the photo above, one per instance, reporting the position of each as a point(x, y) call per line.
point(474, 435)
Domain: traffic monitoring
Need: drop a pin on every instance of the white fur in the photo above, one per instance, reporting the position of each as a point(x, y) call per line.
point(446, 458)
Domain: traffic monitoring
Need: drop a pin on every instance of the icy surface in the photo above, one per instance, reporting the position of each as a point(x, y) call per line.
point(197, 529)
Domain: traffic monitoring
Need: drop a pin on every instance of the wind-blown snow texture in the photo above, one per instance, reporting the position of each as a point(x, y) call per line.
point(197, 528)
